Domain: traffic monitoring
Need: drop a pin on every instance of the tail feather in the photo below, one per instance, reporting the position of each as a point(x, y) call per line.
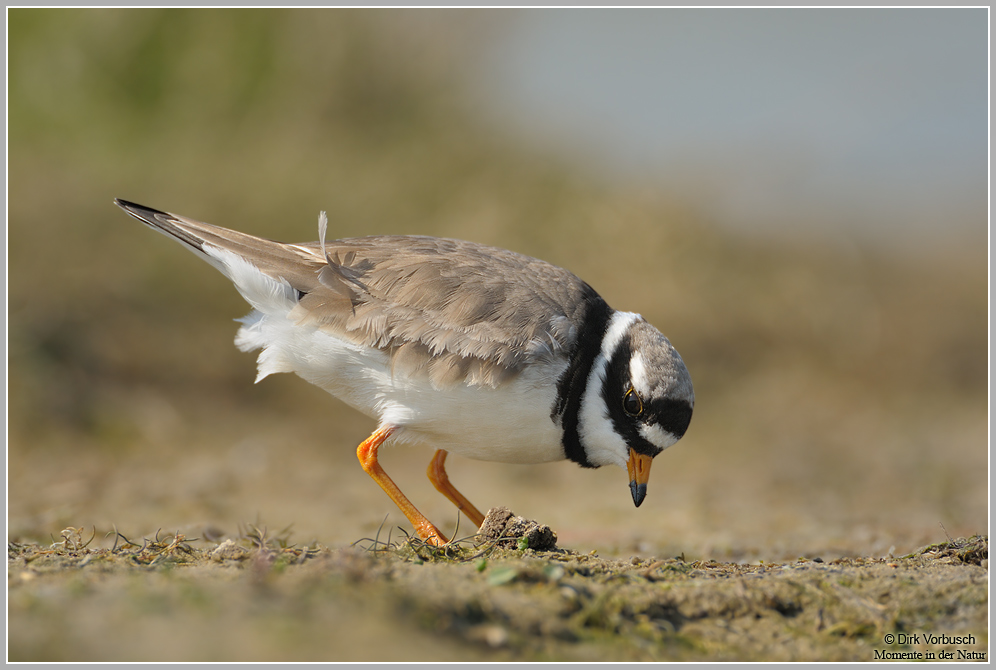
point(294, 264)
point(271, 277)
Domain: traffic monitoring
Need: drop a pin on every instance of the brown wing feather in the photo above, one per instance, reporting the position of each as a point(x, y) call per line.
point(457, 311)
point(482, 312)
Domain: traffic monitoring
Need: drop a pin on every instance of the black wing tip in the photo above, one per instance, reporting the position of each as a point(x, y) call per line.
point(164, 222)
point(135, 208)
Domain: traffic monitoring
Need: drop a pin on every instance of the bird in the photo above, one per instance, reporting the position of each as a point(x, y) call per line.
point(467, 348)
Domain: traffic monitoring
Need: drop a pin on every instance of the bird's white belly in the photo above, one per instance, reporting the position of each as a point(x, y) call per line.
point(509, 424)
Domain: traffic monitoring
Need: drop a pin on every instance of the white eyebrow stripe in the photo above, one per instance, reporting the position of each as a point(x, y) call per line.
point(638, 374)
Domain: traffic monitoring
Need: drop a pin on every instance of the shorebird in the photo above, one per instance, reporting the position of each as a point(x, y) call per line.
point(471, 349)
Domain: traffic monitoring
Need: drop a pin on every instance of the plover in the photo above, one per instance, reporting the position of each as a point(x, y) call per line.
point(471, 349)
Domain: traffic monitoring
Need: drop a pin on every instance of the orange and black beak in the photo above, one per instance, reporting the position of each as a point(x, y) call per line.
point(639, 475)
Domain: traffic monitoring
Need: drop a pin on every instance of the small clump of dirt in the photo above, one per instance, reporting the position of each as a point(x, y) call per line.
point(973, 550)
point(504, 528)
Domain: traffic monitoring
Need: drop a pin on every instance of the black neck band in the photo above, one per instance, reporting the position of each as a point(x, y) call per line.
point(571, 385)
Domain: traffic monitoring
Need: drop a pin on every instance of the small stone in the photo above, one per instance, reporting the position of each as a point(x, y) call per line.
point(505, 528)
point(228, 550)
point(493, 635)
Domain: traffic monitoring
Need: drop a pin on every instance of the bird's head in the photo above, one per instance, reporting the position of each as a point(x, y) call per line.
point(638, 401)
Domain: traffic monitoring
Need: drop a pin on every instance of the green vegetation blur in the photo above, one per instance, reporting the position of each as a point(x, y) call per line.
point(823, 367)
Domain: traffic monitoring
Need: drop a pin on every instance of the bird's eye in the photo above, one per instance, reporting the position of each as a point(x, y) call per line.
point(632, 404)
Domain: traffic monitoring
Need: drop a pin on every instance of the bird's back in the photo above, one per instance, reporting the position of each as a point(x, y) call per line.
point(457, 311)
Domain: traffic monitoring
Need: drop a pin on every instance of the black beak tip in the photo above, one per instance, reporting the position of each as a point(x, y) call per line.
point(639, 492)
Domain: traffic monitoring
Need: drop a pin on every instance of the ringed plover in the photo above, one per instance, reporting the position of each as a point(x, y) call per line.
point(472, 349)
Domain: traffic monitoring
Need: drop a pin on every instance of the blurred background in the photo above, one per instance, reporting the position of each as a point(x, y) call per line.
point(796, 198)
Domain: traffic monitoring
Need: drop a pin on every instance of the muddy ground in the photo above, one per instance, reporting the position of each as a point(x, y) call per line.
point(259, 598)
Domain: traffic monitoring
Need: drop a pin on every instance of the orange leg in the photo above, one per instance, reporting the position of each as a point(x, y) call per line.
point(367, 453)
point(438, 477)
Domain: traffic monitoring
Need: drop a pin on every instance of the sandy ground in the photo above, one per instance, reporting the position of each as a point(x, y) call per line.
point(257, 598)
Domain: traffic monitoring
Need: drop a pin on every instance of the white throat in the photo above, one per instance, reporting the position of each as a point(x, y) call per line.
point(601, 443)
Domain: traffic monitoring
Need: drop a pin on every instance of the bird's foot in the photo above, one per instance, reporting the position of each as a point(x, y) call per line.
point(430, 534)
